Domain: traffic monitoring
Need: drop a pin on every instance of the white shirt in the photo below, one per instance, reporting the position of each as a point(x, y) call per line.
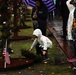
point(70, 19)
point(44, 42)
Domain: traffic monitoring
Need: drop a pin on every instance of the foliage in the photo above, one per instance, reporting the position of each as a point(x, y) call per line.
point(31, 55)
point(5, 17)
point(57, 65)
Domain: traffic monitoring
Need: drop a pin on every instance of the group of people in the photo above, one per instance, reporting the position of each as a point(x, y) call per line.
point(39, 17)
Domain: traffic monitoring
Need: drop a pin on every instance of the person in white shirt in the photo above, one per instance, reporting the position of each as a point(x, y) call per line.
point(71, 8)
point(44, 42)
point(71, 27)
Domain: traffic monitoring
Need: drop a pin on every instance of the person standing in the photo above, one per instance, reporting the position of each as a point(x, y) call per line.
point(55, 10)
point(71, 28)
point(40, 13)
point(39, 17)
point(65, 15)
point(58, 8)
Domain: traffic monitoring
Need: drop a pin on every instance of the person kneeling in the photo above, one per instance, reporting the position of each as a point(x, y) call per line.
point(45, 43)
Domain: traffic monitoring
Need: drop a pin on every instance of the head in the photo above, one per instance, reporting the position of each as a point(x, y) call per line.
point(39, 3)
point(37, 33)
point(73, 2)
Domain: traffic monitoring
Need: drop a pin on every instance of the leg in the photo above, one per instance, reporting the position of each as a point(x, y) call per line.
point(44, 54)
point(65, 19)
point(51, 15)
point(38, 50)
point(64, 29)
point(74, 49)
point(71, 52)
point(43, 29)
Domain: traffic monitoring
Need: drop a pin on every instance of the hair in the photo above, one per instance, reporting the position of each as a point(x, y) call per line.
point(41, 2)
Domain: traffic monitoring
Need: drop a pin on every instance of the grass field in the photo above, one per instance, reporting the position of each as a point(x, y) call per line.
point(57, 65)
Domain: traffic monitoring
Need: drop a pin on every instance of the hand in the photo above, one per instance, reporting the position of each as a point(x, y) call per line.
point(44, 52)
point(30, 50)
point(35, 16)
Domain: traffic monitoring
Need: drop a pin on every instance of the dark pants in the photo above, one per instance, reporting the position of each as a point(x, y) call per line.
point(65, 15)
point(64, 28)
point(65, 19)
point(43, 27)
point(38, 50)
point(50, 15)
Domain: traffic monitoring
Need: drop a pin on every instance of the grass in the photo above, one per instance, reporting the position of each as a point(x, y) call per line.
point(57, 65)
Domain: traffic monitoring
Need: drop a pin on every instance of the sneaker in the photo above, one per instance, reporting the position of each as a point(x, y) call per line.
point(71, 59)
point(11, 51)
point(46, 59)
point(45, 62)
point(74, 68)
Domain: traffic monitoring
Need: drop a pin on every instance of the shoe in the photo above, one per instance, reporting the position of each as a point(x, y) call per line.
point(63, 37)
point(71, 59)
point(11, 51)
point(45, 62)
point(46, 59)
point(74, 68)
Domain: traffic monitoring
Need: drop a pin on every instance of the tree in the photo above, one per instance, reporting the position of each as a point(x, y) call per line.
point(5, 20)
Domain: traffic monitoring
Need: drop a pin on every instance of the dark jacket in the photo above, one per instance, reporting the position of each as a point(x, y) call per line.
point(64, 9)
point(42, 13)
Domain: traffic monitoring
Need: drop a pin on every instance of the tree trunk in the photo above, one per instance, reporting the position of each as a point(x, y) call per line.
point(15, 18)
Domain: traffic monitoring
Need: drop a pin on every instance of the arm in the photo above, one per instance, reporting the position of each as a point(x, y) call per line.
point(32, 14)
point(70, 6)
point(33, 44)
point(44, 44)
